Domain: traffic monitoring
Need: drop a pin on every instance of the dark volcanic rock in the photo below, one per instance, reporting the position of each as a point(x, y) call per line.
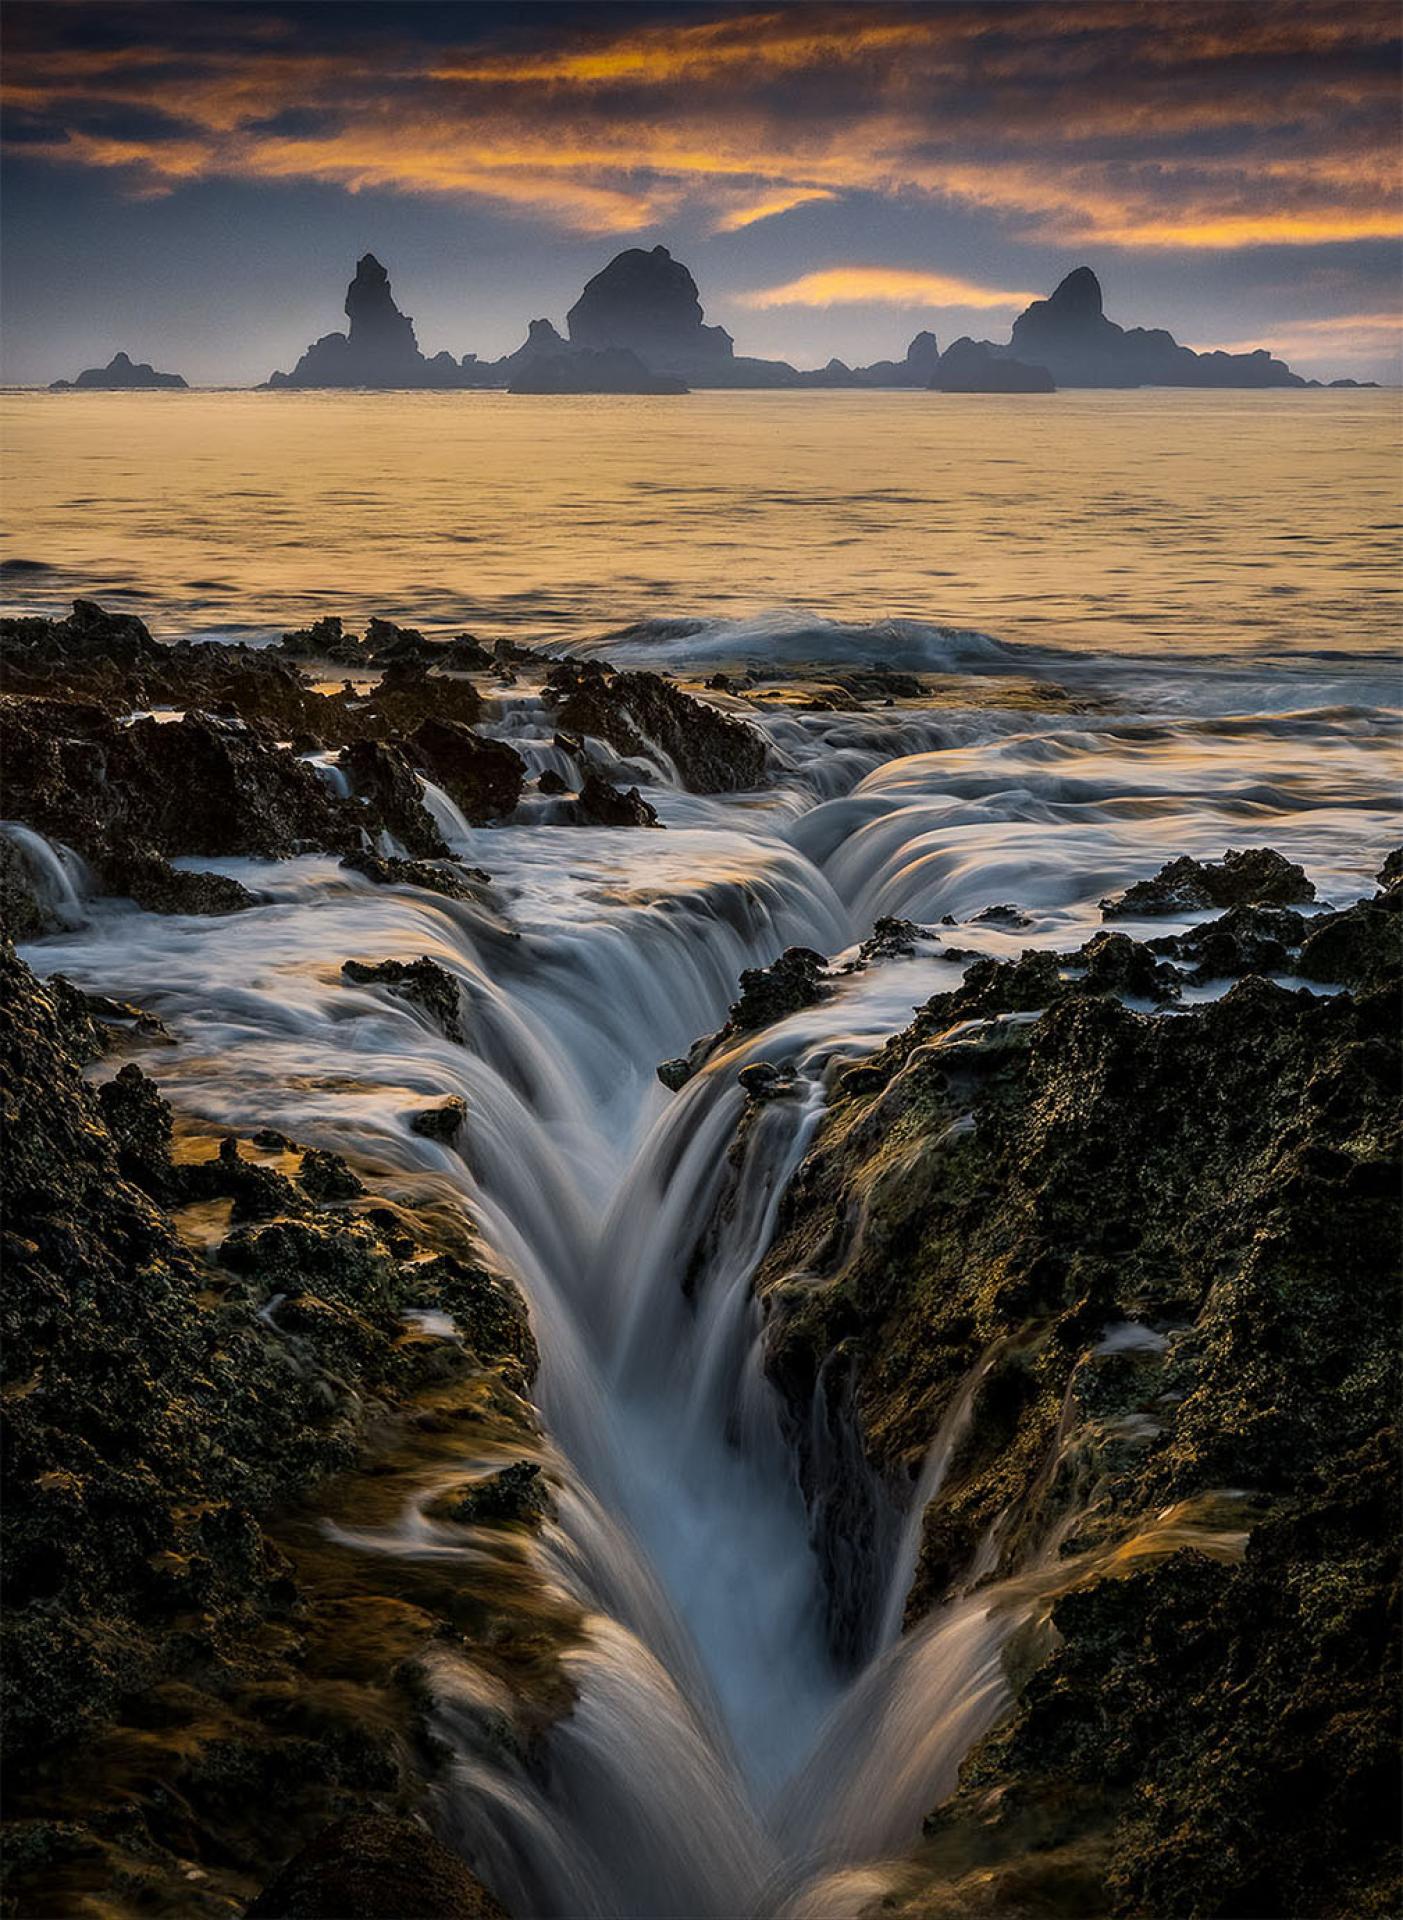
point(128, 798)
point(515, 1492)
point(325, 1176)
point(1362, 947)
point(484, 778)
point(637, 713)
point(799, 978)
point(1070, 336)
point(592, 370)
point(1213, 1503)
point(381, 775)
point(1243, 940)
point(442, 1123)
point(121, 372)
point(601, 804)
point(1257, 876)
point(453, 881)
point(423, 982)
point(375, 1867)
point(647, 302)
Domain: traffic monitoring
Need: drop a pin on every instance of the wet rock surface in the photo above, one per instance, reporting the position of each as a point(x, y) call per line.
point(375, 1868)
point(640, 714)
point(1257, 877)
point(1149, 1249)
point(163, 1407)
point(423, 982)
point(484, 778)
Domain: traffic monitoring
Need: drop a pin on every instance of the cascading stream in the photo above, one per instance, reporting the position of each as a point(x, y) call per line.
point(716, 1762)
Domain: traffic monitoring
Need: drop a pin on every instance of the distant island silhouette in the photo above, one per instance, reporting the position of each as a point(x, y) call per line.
point(121, 371)
point(639, 327)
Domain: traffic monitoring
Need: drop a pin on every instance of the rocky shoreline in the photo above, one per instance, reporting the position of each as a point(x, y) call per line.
point(1132, 1271)
point(1080, 1282)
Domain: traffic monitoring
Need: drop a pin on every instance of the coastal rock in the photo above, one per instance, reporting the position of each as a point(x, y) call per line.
point(451, 879)
point(640, 714)
point(324, 639)
point(1070, 336)
point(601, 804)
point(382, 776)
point(380, 349)
point(422, 982)
point(375, 1867)
point(483, 778)
point(120, 373)
point(647, 302)
point(442, 1123)
point(1221, 1180)
point(192, 786)
point(1256, 876)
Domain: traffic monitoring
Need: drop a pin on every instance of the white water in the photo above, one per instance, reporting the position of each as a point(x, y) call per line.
point(716, 1763)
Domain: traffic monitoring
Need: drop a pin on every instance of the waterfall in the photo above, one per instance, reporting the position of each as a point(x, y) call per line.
point(716, 1761)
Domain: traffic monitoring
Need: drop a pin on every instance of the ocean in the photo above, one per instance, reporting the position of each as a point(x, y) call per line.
point(1159, 523)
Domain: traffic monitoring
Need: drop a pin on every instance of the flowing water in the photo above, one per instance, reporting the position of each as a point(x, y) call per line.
point(718, 1760)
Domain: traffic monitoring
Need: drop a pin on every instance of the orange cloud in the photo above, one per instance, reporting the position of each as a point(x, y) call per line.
point(769, 206)
point(886, 286)
point(1025, 113)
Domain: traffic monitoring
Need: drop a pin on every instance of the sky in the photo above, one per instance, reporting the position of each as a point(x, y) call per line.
point(193, 182)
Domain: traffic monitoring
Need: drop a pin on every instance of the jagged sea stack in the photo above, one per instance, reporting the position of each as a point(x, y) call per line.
point(380, 350)
point(1069, 334)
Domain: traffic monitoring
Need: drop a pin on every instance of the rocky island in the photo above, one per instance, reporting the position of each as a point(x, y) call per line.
point(639, 327)
point(120, 373)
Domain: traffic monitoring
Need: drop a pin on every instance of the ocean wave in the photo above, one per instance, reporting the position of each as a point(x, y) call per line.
point(790, 636)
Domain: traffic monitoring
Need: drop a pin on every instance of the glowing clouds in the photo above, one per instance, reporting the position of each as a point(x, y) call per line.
point(882, 286)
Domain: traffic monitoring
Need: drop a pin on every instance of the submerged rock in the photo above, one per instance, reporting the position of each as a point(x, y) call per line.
point(451, 879)
point(516, 1492)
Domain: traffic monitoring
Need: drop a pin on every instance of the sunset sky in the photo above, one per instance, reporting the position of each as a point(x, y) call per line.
point(194, 182)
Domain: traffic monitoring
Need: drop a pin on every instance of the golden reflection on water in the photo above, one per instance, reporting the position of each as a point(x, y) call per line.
point(1128, 521)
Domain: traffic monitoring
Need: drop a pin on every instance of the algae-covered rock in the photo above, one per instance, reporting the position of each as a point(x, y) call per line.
point(374, 1867)
point(1145, 1254)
